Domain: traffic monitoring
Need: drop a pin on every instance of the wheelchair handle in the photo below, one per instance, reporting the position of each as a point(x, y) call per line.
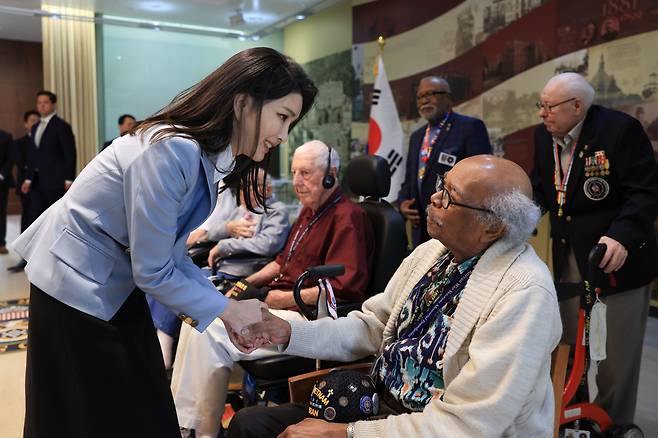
point(329, 271)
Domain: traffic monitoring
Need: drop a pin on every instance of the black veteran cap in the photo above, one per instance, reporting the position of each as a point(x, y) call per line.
point(343, 396)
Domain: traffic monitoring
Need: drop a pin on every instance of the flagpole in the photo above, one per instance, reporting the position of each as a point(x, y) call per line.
point(381, 42)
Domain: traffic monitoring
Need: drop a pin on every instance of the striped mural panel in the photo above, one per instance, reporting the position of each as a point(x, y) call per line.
point(498, 54)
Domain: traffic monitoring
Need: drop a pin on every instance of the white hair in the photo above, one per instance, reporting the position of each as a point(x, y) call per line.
point(321, 151)
point(575, 85)
point(516, 211)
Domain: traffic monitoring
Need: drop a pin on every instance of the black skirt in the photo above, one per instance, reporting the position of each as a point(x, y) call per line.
point(87, 377)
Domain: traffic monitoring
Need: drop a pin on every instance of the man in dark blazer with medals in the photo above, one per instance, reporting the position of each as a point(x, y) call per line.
point(434, 149)
point(596, 175)
point(51, 158)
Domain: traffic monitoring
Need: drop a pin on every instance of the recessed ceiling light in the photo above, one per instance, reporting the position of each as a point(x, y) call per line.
point(242, 38)
point(300, 16)
point(156, 6)
point(167, 25)
point(259, 17)
point(255, 37)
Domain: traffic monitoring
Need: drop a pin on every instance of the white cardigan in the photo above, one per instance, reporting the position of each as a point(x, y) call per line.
point(497, 359)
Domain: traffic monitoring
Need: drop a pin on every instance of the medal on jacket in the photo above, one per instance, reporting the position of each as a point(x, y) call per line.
point(560, 181)
point(597, 165)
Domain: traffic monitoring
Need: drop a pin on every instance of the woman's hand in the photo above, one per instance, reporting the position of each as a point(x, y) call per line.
point(241, 314)
point(241, 228)
point(272, 329)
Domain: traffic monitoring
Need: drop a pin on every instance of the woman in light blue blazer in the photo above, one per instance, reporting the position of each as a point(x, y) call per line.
point(94, 367)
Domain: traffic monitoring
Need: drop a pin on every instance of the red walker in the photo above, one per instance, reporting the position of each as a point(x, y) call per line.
point(589, 411)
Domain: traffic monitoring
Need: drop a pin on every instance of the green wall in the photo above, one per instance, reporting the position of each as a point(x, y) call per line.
point(143, 69)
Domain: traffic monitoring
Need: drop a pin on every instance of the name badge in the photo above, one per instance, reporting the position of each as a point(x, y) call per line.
point(447, 159)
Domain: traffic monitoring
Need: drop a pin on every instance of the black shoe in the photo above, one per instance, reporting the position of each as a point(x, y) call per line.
point(18, 267)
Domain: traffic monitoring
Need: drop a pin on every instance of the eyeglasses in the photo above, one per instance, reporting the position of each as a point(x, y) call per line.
point(446, 199)
point(549, 108)
point(429, 95)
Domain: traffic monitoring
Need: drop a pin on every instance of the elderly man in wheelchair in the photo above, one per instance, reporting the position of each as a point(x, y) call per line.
point(462, 335)
point(330, 229)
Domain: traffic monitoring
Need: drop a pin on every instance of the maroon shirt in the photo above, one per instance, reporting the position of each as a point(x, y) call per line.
point(342, 235)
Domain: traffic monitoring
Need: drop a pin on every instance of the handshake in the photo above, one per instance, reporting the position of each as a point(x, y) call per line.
point(250, 325)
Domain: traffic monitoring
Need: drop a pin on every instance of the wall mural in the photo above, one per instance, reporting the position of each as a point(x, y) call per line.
point(330, 117)
point(498, 54)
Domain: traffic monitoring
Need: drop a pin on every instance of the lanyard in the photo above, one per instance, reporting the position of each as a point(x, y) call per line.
point(427, 144)
point(426, 148)
point(298, 237)
point(446, 296)
point(561, 183)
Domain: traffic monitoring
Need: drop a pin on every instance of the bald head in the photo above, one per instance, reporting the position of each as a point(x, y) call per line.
point(483, 176)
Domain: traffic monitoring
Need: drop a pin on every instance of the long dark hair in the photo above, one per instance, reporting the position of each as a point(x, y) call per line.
point(204, 112)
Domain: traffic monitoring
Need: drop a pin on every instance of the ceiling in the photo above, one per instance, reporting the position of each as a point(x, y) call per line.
point(247, 17)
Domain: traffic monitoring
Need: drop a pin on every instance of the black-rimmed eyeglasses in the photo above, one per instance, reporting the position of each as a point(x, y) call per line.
point(549, 108)
point(445, 199)
point(429, 95)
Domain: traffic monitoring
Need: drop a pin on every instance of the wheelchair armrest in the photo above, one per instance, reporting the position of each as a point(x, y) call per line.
point(244, 257)
point(199, 252)
point(254, 261)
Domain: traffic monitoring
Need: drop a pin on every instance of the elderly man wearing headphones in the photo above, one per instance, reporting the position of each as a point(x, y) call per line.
point(330, 229)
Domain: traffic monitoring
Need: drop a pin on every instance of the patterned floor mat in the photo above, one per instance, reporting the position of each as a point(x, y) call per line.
point(13, 325)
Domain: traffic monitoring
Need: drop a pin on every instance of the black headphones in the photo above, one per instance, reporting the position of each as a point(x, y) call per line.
point(329, 180)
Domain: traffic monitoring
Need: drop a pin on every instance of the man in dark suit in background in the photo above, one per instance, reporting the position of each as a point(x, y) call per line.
point(19, 152)
point(19, 157)
point(6, 181)
point(51, 159)
point(596, 175)
point(126, 122)
point(434, 149)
